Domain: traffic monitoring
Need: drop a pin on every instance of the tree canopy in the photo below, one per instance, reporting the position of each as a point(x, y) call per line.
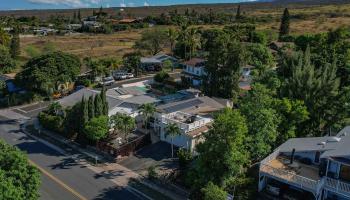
point(97, 128)
point(18, 179)
point(7, 64)
point(45, 73)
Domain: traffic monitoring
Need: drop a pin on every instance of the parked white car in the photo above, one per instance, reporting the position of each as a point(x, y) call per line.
point(129, 75)
point(120, 76)
point(107, 81)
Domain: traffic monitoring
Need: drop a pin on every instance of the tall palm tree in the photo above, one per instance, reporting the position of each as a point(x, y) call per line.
point(172, 130)
point(172, 36)
point(147, 110)
point(193, 40)
point(183, 35)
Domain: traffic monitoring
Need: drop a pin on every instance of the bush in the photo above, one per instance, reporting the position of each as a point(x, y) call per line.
point(185, 158)
point(213, 192)
point(51, 122)
point(151, 172)
point(161, 77)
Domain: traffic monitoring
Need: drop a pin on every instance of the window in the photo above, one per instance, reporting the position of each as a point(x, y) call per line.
point(344, 174)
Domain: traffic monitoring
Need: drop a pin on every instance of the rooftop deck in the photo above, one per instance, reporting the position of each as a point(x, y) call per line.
point(296, 168)
point(299, 174)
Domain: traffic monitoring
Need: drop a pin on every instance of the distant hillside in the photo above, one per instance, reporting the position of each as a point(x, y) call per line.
point(156, 10)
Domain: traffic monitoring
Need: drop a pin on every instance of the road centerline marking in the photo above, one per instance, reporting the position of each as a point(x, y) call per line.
point(58, 181)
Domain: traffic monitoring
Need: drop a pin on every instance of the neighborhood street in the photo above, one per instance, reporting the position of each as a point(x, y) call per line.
point(62, 176)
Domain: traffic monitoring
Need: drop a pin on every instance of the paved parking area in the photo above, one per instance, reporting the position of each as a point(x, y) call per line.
point(158, 154)
point(31, 110)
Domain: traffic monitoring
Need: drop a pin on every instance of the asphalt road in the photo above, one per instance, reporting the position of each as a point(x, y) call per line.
point(62, 176)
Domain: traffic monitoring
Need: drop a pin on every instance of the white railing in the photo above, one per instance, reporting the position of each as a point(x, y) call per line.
point(289, 177)
point(338, 186)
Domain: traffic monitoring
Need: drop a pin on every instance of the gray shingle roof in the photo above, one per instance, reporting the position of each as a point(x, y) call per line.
point(76, 97)
point(331, 146)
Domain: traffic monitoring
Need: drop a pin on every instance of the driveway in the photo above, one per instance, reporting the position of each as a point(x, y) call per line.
point(158, 154)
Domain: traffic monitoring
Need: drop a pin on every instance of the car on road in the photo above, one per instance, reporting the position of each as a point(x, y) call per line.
point(107, 81)
point(120, 76)
point(129, 75)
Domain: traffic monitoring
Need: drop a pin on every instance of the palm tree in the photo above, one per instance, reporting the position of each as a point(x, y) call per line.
point(193, 40)
point(172, 36)
point(147, 110)
point(182, 36)
point(172, 130)
point(123, 122)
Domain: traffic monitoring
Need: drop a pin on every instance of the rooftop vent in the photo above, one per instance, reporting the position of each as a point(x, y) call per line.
point(333, 139)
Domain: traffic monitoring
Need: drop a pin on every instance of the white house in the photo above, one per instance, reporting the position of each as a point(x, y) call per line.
point(192, 116)
point(313, 168)
point(193, 70)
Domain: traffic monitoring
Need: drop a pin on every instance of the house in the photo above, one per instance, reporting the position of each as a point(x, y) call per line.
point(119, 100)
point(316, 168)
point(151, 64)
point(192, 116)
point(193, 70)
point(155, 63)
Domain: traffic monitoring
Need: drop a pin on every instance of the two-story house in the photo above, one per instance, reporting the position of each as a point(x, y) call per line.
point(309, 168)
point(193, 71)
point(192, 116)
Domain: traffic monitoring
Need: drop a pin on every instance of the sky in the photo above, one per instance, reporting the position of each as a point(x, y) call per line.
point(58, 4)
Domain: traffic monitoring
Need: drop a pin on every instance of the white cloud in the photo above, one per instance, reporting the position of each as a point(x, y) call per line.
point(146, 4)
point(70, 3)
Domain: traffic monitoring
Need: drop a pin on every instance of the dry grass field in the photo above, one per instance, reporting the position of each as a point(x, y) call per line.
point(305, 19)
point(86, 45)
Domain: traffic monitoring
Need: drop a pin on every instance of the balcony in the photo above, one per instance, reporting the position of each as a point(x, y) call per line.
point(337, 186)
point(297, 174)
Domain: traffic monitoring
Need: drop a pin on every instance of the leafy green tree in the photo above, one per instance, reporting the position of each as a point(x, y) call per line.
point(260, 57)
point(47, 72)
point(91, 106)
point(172, 130)
point(7, 64)
point(147, 110)
point(213, 192)
point(124, 123)
point(223, 155)
point(97, 128)
point(318, 88)
point(223, 68)
point(132, 62)
point(4, 37)
point(285, 23)
point(98, 106)
point(153, 41)
point(15, 48)
point(18, 179)
point(161, 76)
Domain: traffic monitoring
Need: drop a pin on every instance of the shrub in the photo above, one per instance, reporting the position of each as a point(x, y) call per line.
point(151, 172)
point(185, 158)
point(51, 122)
point(161, 77)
